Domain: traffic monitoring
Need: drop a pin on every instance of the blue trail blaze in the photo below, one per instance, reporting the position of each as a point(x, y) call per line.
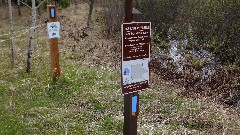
point(52, 13)
point(134, 104)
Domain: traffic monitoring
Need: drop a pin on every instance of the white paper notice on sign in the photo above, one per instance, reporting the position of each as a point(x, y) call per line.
point(53, 29)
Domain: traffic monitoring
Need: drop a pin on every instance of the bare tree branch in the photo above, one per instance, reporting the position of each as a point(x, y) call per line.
point(41, 4)
point(25, 4)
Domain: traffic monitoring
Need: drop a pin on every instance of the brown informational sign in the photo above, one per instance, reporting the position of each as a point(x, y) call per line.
point(136, 37)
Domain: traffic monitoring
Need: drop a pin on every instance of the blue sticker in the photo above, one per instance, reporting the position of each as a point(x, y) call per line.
point(126, 72)
point(134, 104)
point(52, 13)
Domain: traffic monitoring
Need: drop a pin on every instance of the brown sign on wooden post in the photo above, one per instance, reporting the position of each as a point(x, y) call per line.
point(131, 97)
point(54, 52)
point(136, 38)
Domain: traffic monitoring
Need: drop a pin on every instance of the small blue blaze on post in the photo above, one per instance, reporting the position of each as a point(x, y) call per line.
point(134, 104)
point(52, 11)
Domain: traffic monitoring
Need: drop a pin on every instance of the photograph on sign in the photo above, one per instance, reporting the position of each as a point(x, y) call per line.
point(136, 37)
point(126, 74)
point(53, 29)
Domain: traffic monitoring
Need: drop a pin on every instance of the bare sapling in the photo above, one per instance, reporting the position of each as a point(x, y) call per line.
point(90, 12)
point(11, 32)
point(31, 39)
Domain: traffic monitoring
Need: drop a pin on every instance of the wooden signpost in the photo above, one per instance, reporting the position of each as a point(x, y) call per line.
point(135, 64)
point(53, 34)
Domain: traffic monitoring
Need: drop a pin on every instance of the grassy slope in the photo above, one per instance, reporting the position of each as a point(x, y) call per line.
point(86, 99)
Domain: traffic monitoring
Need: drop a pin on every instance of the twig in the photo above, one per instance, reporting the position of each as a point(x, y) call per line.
point(26, 4)
point(40, 4)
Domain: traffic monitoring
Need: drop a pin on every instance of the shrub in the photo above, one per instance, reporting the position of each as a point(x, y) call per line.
point(62, 3)
point(200, 21)
point(196, 63)
point(111, 16)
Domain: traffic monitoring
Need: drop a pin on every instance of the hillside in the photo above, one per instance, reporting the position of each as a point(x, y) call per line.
point(87, 98)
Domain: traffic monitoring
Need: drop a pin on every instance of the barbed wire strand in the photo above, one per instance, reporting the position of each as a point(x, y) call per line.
point(6, 34)
point(26, 4)
point(40, 4)
point(23, 32)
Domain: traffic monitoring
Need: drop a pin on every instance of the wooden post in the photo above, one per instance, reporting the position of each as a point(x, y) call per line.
point(130, 119)
point(53, 42)
point(31, 39)
point(128, 10)
point(11, 32)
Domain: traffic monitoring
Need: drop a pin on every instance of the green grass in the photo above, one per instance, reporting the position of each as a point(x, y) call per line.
point(196, 63)
point(36, 99)
point(33, 104)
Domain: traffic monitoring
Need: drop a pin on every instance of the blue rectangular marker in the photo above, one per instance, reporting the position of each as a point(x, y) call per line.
point(52, 13)
point(134, 104)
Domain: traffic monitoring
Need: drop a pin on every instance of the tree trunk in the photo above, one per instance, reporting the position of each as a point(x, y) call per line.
point(30, 49)
point(19, 8)
point(11, 32)
point(90, 12)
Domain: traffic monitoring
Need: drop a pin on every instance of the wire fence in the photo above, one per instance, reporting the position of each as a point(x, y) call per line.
point(22, 40)
point(22, 32)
